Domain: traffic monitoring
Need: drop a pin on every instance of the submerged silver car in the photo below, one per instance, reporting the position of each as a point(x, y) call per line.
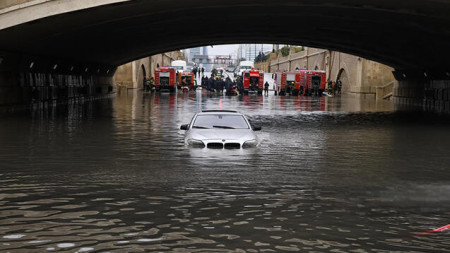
point(218, 129)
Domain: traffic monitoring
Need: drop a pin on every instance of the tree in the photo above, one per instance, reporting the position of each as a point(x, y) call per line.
point(285, 51)
point(261, 57)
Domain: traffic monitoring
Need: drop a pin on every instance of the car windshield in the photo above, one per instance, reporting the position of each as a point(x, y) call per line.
point(245, 67)
point(224, 121)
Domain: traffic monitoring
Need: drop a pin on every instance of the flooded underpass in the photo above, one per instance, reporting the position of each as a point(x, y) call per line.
point(338, 174)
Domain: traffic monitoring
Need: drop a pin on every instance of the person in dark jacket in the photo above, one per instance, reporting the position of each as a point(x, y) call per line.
point(211, 83)
point(240, 85)
point(266, 89)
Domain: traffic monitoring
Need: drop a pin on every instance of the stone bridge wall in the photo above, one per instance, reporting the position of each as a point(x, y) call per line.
point(358, 75)
point(131, 75)
point(8, 3)
point(15, 12)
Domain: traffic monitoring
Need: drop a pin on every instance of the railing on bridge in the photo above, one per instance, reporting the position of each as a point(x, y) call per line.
point(386, 91)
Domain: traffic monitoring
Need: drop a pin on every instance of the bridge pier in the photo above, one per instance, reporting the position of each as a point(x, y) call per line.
point(427, 91)
point(28, 80)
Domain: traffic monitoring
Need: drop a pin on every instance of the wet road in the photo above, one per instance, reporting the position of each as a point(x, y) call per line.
point(341, 174)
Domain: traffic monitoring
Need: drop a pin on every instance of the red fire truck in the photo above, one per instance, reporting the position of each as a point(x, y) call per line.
point(301, 82)
point(253, 81)
point(189, 82)
point(313, 82)
point(165, 79)
point(288, 83)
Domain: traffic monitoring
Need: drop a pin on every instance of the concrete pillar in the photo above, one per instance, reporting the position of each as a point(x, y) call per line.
point(411, 94)
point(289, 62)
point(359, 74)
point(134, 74)
point(307, 57)
point(26, 80)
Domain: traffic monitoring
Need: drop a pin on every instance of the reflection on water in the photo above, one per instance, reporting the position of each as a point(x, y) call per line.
point(340, 174)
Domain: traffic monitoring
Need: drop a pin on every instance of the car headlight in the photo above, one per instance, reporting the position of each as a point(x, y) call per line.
point(196, 143)
point(250, 144)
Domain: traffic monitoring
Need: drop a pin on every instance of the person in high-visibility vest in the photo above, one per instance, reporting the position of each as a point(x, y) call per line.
point(152, 83)
point(147, 84)
point(339, 86)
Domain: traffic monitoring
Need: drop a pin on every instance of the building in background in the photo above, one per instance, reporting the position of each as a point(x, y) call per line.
point(199, 56)
point(223, 61)
point(192, 52)
point(251, 51)
point(205, 51)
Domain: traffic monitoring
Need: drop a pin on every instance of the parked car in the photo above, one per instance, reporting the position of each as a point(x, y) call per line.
point(219, 129)
point(229, 69)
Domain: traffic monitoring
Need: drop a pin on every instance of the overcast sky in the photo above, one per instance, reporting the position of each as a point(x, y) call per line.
point(223, 49)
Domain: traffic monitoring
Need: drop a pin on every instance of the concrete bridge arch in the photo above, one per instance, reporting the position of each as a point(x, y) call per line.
point(343, 77)
point(121, 31)
point(94, 38)
point(142, 75)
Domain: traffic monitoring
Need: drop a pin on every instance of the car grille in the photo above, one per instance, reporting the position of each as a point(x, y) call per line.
point(215, 145)
point(218, 145)
point(232, 145)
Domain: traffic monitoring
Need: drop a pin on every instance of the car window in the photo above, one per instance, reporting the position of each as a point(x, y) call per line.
point(220, 121)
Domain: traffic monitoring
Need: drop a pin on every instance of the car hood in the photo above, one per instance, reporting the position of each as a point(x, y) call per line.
point(223, 134)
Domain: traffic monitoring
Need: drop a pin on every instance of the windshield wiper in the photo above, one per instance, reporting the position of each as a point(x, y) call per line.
point(225, 127)
point(201, 127)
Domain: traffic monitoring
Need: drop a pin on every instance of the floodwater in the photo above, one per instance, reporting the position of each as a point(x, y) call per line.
point(342, 174)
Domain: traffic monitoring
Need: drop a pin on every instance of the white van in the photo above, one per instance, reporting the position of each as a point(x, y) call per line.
point(179, 65)
point(243, 66)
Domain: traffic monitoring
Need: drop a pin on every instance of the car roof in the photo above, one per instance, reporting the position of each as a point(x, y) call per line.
point(219, 111)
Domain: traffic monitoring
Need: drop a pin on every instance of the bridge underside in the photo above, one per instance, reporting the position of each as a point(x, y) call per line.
point(409, 35)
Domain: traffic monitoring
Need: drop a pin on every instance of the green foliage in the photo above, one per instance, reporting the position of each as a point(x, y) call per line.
point(285, 51)
point(261, 57)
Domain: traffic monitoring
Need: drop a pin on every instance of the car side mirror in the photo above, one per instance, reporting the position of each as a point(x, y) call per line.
point(184, 127)
point(256, 128)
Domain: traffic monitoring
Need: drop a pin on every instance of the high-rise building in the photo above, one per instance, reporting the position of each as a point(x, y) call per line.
point(193, 52)
point(199, 56)
point(186, 53)
point(251, 51)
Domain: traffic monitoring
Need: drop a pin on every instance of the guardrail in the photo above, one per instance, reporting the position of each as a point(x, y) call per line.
point(386, 91)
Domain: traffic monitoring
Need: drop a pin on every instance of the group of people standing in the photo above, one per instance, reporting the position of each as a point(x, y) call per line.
point(149, 83)
point(216, 84)
point(213, 83)
point(334, 87)
point(198, 71)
